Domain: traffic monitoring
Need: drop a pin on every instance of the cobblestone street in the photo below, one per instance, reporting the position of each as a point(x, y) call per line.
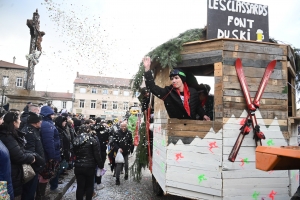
point(128, 189)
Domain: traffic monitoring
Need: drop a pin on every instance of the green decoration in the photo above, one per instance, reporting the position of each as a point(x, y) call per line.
point(255, 195)
point(131, 124)
point(201, 178)
point(285, 90)
point(167, 54)
point(141, 159)
point(270, 143)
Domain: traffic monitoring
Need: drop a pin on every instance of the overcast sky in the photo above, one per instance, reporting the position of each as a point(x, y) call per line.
point(110, 37)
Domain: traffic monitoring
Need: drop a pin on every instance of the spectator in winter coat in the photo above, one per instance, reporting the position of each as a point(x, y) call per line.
point(103, 136)
point(87, 151)
point(65, 138)
point(14, 141)
point(34, 144)
point(31, 108)
point(181, 101)
point(122, 142)
point(5, 169)
point(51, 142)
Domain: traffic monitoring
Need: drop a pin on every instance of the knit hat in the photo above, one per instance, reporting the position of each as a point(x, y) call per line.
point(178, 72)
point(33, 118)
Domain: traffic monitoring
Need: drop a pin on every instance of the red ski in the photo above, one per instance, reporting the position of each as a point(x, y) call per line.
point(251, 106)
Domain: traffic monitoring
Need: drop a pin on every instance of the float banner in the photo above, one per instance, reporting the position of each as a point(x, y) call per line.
point(237, 19)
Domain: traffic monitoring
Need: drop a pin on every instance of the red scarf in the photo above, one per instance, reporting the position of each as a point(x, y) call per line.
point(186, 94)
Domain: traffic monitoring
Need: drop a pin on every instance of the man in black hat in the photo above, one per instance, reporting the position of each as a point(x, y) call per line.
point(29, 108)
point(206, 100)
point(34, 144)
point(180, 100)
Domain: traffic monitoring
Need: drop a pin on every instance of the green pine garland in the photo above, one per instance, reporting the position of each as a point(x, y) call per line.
point(141, 160)
point(167, 54)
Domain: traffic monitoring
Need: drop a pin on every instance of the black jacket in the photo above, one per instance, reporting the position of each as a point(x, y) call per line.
point(18, 156)
point(103, 136)
point(34, 144)
point(173, 102)
point(123, 140)
point(87, 151)
point(65, 141)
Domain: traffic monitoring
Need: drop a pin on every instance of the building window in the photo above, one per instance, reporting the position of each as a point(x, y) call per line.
point(64, 104)
point(93, 104)
point(135, 104)
point(104, 91)
point(104, 104)
point(126, 93)
point(19, 82)
point(81, 104)
point(94, 90)
point(116, 92)
point(82, 90)
point(115, 105)
point(126, 105)
point(5, 80)
point(103, 117)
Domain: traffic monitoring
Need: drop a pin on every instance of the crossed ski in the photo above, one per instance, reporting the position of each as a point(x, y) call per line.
point(251, 106)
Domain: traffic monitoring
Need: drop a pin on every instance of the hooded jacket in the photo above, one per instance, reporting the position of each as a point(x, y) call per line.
point(87, 152)
point(172, 100)
point(49, 135)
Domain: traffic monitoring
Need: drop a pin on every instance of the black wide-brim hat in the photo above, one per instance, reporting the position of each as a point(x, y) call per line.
point(203, 88)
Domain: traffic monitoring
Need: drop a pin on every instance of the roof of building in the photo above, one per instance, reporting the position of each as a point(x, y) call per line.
point(56, 95)
point(101, 80)
point(4, 64)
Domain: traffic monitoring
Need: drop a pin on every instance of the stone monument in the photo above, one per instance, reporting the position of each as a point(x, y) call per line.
point(19, 97)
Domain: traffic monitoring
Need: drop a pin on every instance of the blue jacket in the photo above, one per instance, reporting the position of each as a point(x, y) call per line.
point(5, 169)
point(49, 135)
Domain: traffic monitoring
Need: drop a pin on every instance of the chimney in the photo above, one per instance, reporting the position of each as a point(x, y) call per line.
point(14, 58)
point(77, 74)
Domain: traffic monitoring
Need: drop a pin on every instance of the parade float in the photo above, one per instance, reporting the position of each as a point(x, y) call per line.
point(254, 110)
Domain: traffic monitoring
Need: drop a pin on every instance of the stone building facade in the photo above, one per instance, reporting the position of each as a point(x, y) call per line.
point(12, 78)
point(105, 97)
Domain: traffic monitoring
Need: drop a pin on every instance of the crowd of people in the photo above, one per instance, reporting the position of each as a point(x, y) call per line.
point(54, 143)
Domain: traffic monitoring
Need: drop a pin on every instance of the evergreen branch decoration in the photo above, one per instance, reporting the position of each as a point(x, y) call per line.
point(167, 54)
point(141, 159)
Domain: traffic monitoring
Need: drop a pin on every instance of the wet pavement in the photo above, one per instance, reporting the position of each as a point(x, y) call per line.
point(128, 189)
